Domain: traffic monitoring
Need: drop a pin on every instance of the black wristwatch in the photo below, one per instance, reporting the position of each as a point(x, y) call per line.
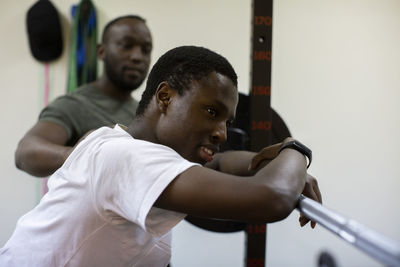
point(299, 147)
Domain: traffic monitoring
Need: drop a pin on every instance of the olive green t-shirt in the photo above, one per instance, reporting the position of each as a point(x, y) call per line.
point(85, 109)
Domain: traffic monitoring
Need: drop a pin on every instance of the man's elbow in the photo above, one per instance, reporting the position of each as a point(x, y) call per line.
point(281, 205)
point(18, 157)
point(24, 158)
point(282, 209)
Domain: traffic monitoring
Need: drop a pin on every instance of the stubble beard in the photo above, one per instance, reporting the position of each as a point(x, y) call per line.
point(118, 79)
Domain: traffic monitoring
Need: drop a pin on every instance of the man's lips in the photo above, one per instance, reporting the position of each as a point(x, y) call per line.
point(133, 71)
point(207, 153)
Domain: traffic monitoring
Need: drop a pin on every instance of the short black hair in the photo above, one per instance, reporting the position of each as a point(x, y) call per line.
point(110, 23)
point(182, 65)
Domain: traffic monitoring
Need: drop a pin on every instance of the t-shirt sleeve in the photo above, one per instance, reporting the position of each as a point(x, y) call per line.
point(129, 176)
point(60, 111)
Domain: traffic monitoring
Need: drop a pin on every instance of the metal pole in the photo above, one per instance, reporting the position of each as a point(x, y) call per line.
point(380, 247)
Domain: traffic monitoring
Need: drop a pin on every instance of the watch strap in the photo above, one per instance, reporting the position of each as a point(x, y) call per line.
point(294, 144)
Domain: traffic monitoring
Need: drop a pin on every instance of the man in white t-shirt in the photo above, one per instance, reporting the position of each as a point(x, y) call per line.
point(121, 190)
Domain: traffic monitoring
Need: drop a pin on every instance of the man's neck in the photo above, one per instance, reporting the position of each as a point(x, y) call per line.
point(142, 128)
point(111, 90)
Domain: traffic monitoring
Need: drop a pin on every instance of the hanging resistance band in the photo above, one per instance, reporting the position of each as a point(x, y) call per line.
point(46, 93)
point(83, 47)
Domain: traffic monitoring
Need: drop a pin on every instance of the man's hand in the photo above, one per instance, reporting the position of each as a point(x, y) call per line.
point(267, 153)
point(310, 190)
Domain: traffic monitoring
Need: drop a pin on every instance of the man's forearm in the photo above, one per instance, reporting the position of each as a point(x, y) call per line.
point(233, 162)
point(286, 175)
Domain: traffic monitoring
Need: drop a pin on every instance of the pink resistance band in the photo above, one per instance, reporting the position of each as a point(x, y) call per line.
point(46, 102)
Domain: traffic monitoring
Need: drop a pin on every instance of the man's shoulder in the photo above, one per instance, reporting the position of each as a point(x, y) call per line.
point(84, 93)
point(117, 140)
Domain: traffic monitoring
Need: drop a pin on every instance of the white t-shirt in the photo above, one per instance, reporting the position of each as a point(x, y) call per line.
point(98, 211)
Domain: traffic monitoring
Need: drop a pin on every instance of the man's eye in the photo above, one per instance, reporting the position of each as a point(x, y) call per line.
point(212, 112)
point(146, 49)
point(125, 45)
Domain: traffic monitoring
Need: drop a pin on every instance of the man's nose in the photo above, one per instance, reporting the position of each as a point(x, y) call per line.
point(136, 54)
point(219, 134)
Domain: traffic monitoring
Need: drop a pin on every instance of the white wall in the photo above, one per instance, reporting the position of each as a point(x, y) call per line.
point(336, 83)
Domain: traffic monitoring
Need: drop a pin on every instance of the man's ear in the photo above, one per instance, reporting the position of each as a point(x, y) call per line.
point(164, 95)
point(100, 51)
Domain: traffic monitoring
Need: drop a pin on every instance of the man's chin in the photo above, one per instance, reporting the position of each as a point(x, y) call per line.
point(130, 87)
